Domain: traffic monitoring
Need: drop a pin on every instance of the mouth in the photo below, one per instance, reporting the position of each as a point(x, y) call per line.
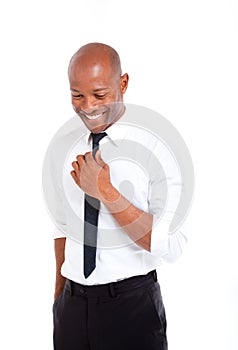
point(92, 117)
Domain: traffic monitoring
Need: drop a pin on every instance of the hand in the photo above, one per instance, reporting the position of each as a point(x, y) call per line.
point(92, 175)
point(57, 294)
point(59, 287)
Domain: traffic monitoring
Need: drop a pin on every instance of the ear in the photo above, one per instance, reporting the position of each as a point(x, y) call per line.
point(124, 83)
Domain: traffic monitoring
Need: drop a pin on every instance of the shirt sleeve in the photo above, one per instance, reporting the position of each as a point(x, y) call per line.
point(57, 233)
point(53, 190)
point(166, 188)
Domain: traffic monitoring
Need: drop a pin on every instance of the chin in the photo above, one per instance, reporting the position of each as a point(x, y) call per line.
point(98, 129)
point(95, 126)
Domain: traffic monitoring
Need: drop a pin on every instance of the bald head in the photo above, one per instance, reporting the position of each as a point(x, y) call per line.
point(97, 86)
point(97, 53)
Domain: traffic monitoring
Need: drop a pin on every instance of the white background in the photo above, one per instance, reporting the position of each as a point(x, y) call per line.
point(182, 59)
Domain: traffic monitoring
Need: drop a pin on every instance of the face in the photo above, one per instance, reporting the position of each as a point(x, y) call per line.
point(97, 92)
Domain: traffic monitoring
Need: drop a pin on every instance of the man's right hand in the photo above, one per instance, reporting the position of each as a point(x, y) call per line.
point(59, 259)
point(58, 291)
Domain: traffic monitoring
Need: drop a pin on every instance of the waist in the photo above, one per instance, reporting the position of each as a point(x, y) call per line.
point(111, 289)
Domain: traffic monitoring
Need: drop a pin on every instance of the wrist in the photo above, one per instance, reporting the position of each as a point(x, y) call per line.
point(109, 194)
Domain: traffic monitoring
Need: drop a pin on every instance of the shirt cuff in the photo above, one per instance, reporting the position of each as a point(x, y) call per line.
point(58, 233)
point(166, 245)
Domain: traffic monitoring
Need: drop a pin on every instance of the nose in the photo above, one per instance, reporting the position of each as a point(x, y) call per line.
point(88, 106)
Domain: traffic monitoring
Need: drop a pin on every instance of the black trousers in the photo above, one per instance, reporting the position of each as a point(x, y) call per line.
point(124, 315)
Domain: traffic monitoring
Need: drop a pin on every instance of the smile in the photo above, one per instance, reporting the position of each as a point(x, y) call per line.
point(93, 117)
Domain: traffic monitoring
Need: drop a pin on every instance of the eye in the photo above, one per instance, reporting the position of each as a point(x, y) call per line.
point(77, 96)
point(100, 97)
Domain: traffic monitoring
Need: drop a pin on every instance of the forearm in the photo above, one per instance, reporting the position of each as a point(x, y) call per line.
point(135, 222)
point(59, 259)
point(92, 175)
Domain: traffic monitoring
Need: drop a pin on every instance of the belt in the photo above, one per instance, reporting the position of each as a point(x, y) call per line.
point(112, 288)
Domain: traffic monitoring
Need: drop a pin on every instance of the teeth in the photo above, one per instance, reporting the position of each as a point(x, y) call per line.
point(92, 117)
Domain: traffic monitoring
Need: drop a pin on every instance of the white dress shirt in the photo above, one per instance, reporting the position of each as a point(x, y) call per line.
point(146, 172)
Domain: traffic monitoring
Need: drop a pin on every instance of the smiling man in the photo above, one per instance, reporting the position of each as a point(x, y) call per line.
point(97, 86)
point(107, 295)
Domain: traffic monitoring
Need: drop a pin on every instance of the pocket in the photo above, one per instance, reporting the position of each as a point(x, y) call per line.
point(57, 300)
point(158, 306)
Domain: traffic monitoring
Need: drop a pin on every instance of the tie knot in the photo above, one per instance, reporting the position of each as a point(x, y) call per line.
point(97, 138)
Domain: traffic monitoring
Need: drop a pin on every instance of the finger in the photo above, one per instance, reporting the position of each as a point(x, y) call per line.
point(80, 160)
point(99, 159)
point(76, 167)
point(75, 177)
point(88, 156)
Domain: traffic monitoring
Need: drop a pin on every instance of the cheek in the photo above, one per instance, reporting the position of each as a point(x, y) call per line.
point(114, 96)
point(75, 104)
point(118, 97)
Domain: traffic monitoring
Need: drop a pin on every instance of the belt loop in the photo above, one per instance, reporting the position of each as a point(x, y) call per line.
point(155, 275)
point(112, 290)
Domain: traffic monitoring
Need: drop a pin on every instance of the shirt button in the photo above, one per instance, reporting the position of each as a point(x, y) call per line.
point(81, 290)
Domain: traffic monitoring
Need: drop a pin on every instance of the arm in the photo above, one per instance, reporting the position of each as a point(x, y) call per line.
point(135, 222)
point(93, 177)
point(59, 259)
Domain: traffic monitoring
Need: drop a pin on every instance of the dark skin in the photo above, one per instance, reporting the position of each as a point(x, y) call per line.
point(96, 85)
point(59, 259)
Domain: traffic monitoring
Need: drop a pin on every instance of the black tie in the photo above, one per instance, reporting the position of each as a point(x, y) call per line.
point(91, 210)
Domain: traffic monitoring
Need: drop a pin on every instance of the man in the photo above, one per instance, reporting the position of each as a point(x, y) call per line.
point(108, 296)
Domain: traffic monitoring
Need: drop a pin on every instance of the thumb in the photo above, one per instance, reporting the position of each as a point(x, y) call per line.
point(99, 159)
